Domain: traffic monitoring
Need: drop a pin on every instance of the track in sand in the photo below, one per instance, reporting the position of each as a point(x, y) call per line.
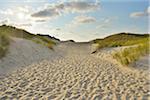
point(75, 75)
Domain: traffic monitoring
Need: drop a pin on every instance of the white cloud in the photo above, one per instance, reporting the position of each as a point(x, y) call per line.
point(84, 19)
point(17, 15)
point(15, 10)
point(5, 21)
point(54, 10)
point(148, 9)
point(105, 23)
point(6, 12)
point(137, 14)
point(24, 9)
point(80, 20)
point(81, 7)
point(140, 14)
point(47, 13)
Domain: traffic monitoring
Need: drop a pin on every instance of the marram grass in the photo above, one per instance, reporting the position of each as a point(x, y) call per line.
point(131, 54)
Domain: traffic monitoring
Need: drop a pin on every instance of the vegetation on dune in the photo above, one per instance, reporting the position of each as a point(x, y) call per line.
point(131, 54)
point(121, 39)
point(20, 33)
point(15, 32)
point(138, 46)
point(44, 41)
point(4, 43)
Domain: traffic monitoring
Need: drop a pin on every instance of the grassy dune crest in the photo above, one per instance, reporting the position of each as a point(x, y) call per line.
point(10, 31)
point(121, 39)
point(15, 32)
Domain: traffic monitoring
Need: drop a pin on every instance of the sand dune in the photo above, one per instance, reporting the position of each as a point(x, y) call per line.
point(73, 73)
point(24, 52)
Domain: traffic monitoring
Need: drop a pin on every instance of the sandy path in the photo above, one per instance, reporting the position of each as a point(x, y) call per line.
point(77, 75)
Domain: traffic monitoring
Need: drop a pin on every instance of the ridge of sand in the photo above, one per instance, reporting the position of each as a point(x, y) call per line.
point(76, 75)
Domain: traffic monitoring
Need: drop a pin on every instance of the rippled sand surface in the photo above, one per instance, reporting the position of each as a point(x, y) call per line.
point(75, 75)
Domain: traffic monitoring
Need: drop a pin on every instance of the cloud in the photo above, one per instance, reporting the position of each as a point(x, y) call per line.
point(47, 13)
point(51, 11)
point(58, 29)
point(25, 24)
point(20, 25)
point(140, 14)
point(20, 14)
point(102, 26)
point(148, 10)
point(84, 19)
point(6, 21)
point(106, 23)
point(6, 12)
point(24, 9)
point(81, 7)
point(15, 10)
point(54, 10)
point(40, 20)
point(78, 21)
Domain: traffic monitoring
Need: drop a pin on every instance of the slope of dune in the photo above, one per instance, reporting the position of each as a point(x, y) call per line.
point(24, 52)
point(71, 72)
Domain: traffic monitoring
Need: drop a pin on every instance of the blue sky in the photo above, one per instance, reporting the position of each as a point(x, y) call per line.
point(80, 20)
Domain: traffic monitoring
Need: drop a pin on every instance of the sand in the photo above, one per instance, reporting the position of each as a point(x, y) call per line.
point(76, 75)
point(142, 63)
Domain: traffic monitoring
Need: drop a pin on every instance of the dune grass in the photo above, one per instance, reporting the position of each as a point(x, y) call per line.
point(138, 46)
point(121, 39)
point(15, 32)
point(131, 54)
point(44, 41)
point(4, 43)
